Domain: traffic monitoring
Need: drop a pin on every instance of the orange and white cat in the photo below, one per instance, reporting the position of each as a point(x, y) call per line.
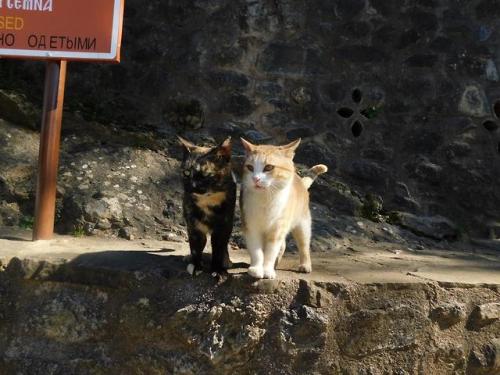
point(274, 201)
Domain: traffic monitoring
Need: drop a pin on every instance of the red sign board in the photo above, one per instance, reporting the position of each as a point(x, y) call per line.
point(61, 29)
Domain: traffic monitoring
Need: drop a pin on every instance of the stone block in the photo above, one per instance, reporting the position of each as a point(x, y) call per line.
point(437, 227)
point(474, 102)
point(282, 58)
point(484, 314)
point(448, 314)
point(368, 332)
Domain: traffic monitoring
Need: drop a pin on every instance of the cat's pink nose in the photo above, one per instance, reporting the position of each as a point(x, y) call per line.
point(256, 179)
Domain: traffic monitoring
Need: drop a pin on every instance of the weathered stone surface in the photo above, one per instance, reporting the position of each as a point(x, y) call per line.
point(29, 269)
point(485, 314)
point(448, 315)
point(238, 105)
point(485, 361)
point(105, 208)
point(488, 9)
point(340, 196)
point(422, 61)
point(311, 295)
point(360, 54)
point(17, 109)
point(357, 339)
point(302, 333)
point(437, 227)
point(128, 233)
point(301, 95)
point(282, 58)
point(347, 9)
point(491, 71)
point(429, 172)
point(10, 214)
point(367, 170)
point(473, 102)
point(139, 311)
point(273, 72)
point(230, 338)
point(227, 80)
point(458, 149)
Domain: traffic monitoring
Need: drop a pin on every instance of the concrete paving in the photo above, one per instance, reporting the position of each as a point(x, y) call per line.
point(361, 261)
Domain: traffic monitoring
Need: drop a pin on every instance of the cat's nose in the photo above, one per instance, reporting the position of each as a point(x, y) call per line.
point(256, 179)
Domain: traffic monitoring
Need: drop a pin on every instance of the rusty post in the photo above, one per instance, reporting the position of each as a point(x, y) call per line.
point(48, 158)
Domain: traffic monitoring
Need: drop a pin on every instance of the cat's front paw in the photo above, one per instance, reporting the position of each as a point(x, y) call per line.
point(269, 273)
point(305, 268)
point(191, 268)
point(256, 272)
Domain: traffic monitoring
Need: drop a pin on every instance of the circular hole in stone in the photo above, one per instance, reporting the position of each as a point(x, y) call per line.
point(491, 126)
point(496, 108)
point(357, 95)
point(345, 112)
point(357, 129)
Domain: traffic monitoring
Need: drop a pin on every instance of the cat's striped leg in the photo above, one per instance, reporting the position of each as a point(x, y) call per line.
point(254, 247)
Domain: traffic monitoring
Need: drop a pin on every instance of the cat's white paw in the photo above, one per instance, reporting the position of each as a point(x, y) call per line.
point(269, 273)
point(191, 268)
point(256, 272)
point(305, 268)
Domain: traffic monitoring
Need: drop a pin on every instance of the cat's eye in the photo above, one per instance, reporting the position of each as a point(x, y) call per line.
point(187, 173)
point(268, 168)
point(250, 167)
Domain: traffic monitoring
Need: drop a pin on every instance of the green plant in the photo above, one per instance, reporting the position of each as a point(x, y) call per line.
point(372, 208)
point(78, 231)
point(371, 112)
point(27, 222)
point(394, 218)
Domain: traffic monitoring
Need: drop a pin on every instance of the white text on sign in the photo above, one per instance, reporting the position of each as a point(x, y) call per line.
point(36, 5)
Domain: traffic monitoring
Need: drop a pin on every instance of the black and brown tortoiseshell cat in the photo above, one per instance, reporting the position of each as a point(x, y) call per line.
point(209, 201)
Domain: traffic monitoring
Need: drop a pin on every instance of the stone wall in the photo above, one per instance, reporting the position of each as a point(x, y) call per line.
point(399, 98)
point(79, 319)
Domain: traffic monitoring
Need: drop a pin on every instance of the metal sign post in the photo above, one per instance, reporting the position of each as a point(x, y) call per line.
point(57, 31)
point(48, 158)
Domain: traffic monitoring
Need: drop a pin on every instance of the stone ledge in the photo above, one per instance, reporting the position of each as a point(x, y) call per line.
point(105, 306)
point(357, 260)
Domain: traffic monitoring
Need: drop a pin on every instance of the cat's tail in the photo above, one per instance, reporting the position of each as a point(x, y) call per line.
point(313, 173)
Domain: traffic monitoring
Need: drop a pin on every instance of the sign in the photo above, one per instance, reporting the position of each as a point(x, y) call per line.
point(57, 31)
point(61, 29)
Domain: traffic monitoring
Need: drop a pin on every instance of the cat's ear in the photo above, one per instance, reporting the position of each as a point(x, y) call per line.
point(188, 146)
point(224, 149)
point(249, 148)
point(290, 148)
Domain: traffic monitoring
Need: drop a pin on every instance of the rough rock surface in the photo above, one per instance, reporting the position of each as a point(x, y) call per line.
point(399, 99)
point(76, 318)
point(385, 93)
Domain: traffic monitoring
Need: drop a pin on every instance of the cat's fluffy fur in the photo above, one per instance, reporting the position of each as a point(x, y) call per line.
point(274, 202)
point(209, 201)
